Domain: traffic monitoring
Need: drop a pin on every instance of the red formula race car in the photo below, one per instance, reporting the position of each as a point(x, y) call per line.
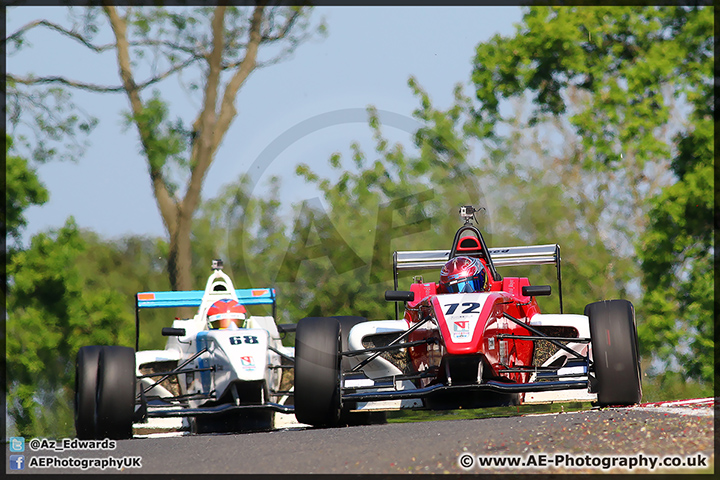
point(471, 340)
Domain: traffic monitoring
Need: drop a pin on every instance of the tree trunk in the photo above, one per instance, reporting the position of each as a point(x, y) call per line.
point(180, 259)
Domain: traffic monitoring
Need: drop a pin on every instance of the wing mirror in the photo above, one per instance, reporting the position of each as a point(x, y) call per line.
point(173, 332)
point(287, 327)
point(399, 296)
point(536, 290)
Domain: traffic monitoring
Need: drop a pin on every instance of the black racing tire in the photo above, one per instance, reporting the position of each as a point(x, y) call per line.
point(616, 359)
point(86, 367)
point(317, 371)
point(115, 399)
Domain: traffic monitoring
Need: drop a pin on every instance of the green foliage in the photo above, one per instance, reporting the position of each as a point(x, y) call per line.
point(247, 234)
point(605, 83)
point(545, 212)
point(623, 57)
point(674, 386)
point(45, 123)
point(677, 253)
point(165, 142)
point(186, 28)
point(67, 290)
point(22, 188)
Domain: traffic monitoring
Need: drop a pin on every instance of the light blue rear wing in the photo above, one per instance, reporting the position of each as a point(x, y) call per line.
point(193, 298)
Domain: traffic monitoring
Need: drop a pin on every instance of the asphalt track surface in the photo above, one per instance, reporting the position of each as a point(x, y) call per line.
point(431, 447)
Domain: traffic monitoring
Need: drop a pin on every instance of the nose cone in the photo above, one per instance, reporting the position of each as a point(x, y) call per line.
point(463, 318)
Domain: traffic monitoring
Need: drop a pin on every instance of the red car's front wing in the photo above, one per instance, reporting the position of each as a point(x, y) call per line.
point(490, 385)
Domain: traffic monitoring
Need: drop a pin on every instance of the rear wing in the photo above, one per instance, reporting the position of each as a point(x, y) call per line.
point(194, 298)
point(501, 257)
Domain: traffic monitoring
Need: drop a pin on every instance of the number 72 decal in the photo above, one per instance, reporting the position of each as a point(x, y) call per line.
point(472, 307)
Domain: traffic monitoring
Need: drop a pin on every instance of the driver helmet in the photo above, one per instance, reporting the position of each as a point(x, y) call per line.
point(226, 313)
point(463, 275)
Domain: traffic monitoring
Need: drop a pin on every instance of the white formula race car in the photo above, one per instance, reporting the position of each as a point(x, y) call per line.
point(223, 379)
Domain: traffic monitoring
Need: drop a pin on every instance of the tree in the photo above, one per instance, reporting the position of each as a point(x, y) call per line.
point(44, 121)
point(614, 76)
point(677, 253)
point(613, 81)
point(225, 44)
point(22, 188)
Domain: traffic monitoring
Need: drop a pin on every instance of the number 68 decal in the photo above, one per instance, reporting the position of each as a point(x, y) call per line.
point(248, 339)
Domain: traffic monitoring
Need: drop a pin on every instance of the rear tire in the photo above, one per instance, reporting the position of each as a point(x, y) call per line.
point(116, 386)
point(614, 342)
point(317, 371)
point(86, 368)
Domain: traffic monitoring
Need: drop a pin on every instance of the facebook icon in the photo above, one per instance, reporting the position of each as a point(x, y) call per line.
point(17, 462)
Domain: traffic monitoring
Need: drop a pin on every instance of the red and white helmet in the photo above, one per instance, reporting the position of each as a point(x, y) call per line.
point(225, 312)
point(463, 275)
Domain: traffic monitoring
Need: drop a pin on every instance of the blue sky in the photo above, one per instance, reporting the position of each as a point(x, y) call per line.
point(366, 59)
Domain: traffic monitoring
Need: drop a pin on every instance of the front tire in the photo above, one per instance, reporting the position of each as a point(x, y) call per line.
point(116, 386)
point(317, 371)
point(613, 335)
point(86, 368)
